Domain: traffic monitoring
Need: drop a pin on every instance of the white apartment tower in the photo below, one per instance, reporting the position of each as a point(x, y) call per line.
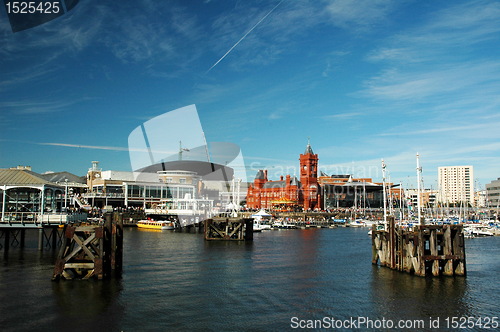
point(456, 184)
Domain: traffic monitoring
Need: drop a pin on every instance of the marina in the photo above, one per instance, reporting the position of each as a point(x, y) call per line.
point(249, 165)
point(259, 285)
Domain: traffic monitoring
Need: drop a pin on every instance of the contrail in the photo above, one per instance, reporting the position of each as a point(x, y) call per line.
point(96, 147)
point(246, 34)
point(81, 146)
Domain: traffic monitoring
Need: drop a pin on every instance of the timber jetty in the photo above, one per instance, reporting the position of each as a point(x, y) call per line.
point(425, 250)
point(229, 229)
point(91, 250)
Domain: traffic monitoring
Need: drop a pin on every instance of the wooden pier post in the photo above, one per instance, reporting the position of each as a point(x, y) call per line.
point(91, 251)
point(54, 237)
point(117, 244)
point(459, 250)
point(23, 238)
point(248, 229)
point(230, 229)
point(40, 239)
point(6, 246)
point(427, 250)
point(392, 243)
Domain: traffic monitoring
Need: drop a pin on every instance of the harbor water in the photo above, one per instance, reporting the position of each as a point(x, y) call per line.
point(282, 280)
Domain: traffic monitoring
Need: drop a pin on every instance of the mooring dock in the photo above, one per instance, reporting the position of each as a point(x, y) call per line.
point(426, 250)
point(91, 250)
point(229, 229)
point(14, 235)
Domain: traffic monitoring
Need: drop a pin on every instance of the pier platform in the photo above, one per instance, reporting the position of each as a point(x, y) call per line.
point(425, 250)
point(229, 229)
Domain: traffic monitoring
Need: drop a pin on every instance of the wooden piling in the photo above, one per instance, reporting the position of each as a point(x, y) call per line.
point(117, 244)
point(53, 234)
point(7, 240)
point(91, 251)
point(40, 239)
point(427, 250)
point(229, 229)
point(23, 238)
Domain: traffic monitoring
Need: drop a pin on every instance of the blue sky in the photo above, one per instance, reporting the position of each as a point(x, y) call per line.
point(364, 79)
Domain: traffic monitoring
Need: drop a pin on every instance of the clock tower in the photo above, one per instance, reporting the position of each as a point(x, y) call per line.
point(94, 175)
point(309, 178)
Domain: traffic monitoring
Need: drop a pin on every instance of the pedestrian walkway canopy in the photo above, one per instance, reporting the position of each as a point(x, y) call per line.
point(25, 194)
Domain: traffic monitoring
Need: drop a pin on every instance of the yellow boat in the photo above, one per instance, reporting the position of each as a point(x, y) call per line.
point(158, 225)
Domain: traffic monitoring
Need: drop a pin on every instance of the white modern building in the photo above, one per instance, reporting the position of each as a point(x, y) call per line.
point(493, 193)
point(456, 184)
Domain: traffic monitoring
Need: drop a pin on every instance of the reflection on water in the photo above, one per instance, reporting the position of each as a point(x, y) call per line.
point(179, 281)
point(88, 302)
point(398, 295)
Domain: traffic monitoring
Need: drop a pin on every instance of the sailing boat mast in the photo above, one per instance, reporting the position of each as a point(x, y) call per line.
point(384, 194)
point(419, 174)
point(401, 211)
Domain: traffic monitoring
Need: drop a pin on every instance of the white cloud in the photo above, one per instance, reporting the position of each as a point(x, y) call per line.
point(447, 33)
point(359, 14)
point(69, 33)
point(29, 107)
point(441, 129)
point(433, 80)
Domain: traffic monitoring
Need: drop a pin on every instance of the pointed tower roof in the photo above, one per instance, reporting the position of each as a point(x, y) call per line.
point(308, 147)
point(260, 175)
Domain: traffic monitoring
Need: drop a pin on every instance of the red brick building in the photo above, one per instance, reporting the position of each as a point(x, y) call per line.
point(288, 193)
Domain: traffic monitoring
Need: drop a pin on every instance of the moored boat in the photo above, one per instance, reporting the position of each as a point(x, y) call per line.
point(259, 226)
point(153, 224)
point(261, 221)
point(283, 224)
point(475, 230)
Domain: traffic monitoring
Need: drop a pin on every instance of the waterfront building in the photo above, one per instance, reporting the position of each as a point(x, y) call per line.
point(493, 194)
point(73, 184)
point(288, 193)
point(345, 191)
point(480, 199)
point(311, 191)
point(456, 185)
point(428, 198)
point(139, 189)
point(283, 194)
point(26, 196)
point(166, 186)
point(177, 186)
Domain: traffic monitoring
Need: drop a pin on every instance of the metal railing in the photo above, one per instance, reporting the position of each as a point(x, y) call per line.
point(35, 218)
point(103, 195)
